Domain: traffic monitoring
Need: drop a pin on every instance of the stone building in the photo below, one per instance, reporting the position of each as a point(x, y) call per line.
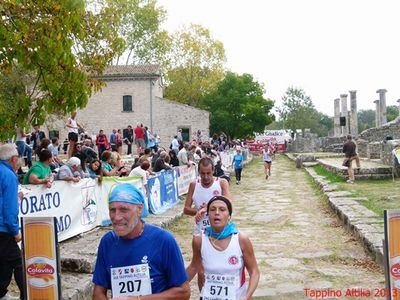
point(135, 94)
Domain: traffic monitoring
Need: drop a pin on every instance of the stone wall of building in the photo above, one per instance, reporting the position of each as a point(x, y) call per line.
point(170, 115)
point(362, 147)
point(332, 144)
point(105, 111)
point(378, 134)
point(374, 150)
point(305, 144)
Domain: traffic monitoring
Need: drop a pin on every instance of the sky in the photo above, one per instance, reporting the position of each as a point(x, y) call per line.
point(325, 47)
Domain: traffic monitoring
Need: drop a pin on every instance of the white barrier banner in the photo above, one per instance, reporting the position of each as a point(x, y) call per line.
point(78, 207)
point(185, 177)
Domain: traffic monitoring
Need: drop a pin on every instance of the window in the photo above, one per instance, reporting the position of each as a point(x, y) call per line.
point(127, 103)
point(54, 133)
point(185, 134)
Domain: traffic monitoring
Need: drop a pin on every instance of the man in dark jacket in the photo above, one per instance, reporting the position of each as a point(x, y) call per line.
point(349, 150)
point(36, 137)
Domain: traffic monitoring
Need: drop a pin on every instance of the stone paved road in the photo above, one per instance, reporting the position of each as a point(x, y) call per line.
point(298, 242)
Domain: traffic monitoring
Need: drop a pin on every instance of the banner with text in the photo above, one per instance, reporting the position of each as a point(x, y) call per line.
point(78, 207)
point(162, 191)
point(185, 177)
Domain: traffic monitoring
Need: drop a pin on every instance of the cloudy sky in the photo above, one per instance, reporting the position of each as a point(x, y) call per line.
point(326, 47)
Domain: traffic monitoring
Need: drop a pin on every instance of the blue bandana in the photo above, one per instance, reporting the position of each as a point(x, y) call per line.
point(229, 229)
point(128, 193)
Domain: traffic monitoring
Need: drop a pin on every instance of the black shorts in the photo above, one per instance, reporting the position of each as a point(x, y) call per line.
point(268, 162)
point(72, 136)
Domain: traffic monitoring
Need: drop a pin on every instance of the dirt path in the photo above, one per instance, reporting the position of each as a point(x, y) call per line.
point(299, 243)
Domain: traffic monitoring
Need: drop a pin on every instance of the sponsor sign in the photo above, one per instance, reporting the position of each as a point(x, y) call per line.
point(185, 177)
point(162, 191)
point(392, 245)
point(41, 258)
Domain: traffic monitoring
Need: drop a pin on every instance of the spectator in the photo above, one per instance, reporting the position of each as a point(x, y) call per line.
point(40, 173)
point(179, 135)
point(145, 135)
point(156, 141)
point(79, 154)
point(113, 142)
point(142, 172)
point(53, 148)
point(70, 171)
point(73, 127)
point(116, 162)
point(128, 139)
point(162, 162)
point(22, 147)
point(108, 170)
point(102, 142)
point(175, 144)
point(183, 155)
point(139, 138)
point(65, 146)
point(10, 258)
point(156, 156)
point(173, 158)
point(88, 154)
point(36, 137)
point(95, 169)
point(215, 140)
point(118, 141)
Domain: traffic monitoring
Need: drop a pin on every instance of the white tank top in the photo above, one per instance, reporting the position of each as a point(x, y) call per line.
point(266, 156)
point(20, 138)
point(226, 263)
point(203, 195)
point(72, 122)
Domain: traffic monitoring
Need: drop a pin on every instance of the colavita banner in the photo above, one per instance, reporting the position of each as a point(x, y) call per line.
point(392, 244)
point(41, 258)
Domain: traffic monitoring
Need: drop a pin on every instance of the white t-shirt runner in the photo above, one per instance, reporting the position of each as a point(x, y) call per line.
point(202, 195)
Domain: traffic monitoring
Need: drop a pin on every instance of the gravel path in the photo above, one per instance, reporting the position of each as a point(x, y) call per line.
point(300, 246)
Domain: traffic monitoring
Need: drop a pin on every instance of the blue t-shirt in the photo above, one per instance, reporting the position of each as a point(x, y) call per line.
point(155, 246)
point(8, 199)
point(238, 161)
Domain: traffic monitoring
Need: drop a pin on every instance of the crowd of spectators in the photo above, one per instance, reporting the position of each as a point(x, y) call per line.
point(102, 156)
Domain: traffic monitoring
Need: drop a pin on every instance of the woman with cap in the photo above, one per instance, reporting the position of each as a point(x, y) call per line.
point(223, 253)
point(137, 260)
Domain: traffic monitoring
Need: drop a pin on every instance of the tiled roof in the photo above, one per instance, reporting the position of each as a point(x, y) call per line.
point(132, 70)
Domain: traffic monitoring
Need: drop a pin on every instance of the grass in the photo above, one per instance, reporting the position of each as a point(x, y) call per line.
point(331, 177)
point(379, 194)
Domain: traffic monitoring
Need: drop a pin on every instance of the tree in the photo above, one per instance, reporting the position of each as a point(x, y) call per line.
point(59, 46)
point(298, 112)
point(392, 112)
point(195, 65)
point(140, 27)
point(237, 106)
point(366, 119)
